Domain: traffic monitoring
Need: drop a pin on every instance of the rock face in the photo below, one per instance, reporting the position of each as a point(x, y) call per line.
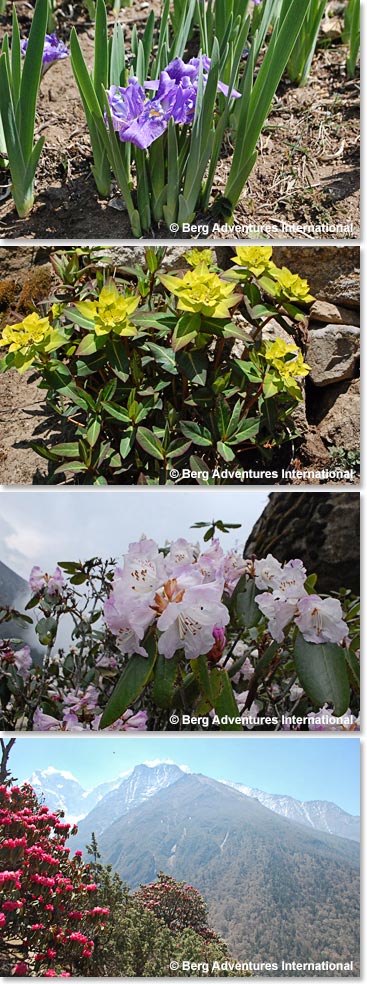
point(338, 412)
point(333, 314)
point(333, 353)
point(321, 528)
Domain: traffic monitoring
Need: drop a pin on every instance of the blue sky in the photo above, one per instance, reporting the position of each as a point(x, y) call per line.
point(307, 768)
point(42, 526)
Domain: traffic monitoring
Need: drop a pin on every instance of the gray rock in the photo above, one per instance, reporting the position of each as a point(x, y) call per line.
point(273, 330)
point(339, 416)
point(334, 314)
point(320, 527)
point(332, 352)
point(129, 255)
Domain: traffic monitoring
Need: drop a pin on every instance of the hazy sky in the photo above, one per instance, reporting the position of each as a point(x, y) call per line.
point(309, 768)
point(43, 525)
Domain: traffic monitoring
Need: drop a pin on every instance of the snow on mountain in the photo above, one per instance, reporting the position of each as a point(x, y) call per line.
point(318, 814)
point(142, 783)
point(62, 791)
point(96, 809)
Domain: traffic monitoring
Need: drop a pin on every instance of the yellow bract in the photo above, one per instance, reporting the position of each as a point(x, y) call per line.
point(286, 358)
point(25, 334)
point(196, 256)
point(256, 259)
point(202, 292)
point(110, 311)
point(291, 286)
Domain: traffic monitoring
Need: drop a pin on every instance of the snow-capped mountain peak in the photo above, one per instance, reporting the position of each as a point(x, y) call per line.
point(319, 814)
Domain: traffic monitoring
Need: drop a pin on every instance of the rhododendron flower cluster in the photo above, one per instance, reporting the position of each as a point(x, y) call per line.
point(247, 639)
point(318, 619)
point(181, 594)
point(39, 887)
point(53, 583)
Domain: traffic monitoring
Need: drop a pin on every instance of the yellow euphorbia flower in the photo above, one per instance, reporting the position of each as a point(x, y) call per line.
point(25, 334)
point(110, 311)
point(256, 259)
point(291, 286)
point(287, 359)
point(196, 256)
point(202, 292)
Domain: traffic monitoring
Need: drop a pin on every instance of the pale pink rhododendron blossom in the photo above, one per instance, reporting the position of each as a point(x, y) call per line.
point(53, 583)
point(180, 593)
point(321, 619)
point(20, 658)
point(278, 611)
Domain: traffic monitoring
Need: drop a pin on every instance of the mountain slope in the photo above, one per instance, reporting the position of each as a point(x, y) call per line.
point(143, 783)
point(275, 890)
point(314, 813)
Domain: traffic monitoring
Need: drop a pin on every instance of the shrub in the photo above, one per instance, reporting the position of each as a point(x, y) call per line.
point(153, 374)
point(49, 924)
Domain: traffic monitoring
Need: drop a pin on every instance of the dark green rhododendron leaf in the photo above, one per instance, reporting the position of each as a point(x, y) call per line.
point(132, 682)
point(322, 671)
point(164, 679)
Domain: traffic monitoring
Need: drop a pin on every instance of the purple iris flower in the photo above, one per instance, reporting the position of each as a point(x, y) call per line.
point(140, 120)
point(186, 76)
point(54, 50)
point(135, 118)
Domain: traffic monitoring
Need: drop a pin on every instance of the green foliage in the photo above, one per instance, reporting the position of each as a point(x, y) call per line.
point(177, 174)
point(139, 941)
point(299, 64)
point(352, 34)
point(18, 94)
point(142, 378)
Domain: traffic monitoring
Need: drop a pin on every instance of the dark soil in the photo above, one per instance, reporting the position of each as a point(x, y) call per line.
point(307, 172)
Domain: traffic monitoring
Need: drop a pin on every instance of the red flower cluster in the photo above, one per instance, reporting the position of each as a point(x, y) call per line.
point(33, 856)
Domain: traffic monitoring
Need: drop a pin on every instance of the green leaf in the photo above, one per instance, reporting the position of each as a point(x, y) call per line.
point(165, 674)
point(93, 433)
point(150, 443)
point(87, 345)
point(193, 365)
point(31, 76)
point(248, 612)
point(224, 701)
point(199, 466)
point(225, 451)
point(46, 630)
point(66, 450)
point(201, 673)
point(196, 434)
point(164, 357)
point(119, 413)
point(247, 429)
point(353, 668)
point(185, 331)
point(322, 672)
point(132, 682)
